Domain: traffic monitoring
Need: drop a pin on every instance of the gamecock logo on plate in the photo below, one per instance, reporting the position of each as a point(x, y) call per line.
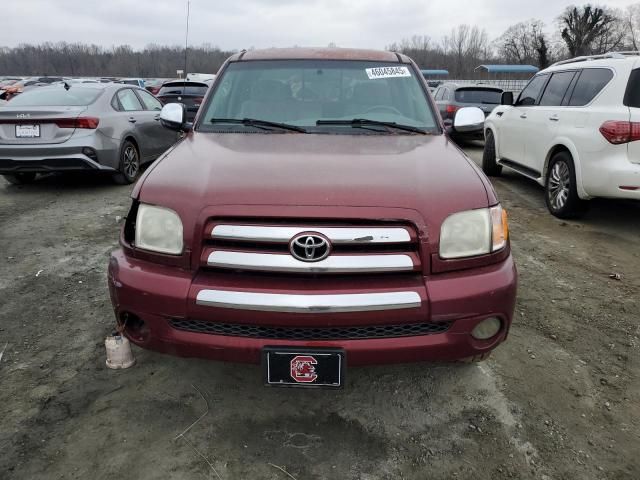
point(303, 369)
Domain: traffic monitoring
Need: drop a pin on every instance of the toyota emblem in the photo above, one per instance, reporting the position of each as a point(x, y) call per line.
point(310, 247)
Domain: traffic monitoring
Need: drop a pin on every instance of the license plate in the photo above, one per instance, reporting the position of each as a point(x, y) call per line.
point(27, 131)
point(300, 367)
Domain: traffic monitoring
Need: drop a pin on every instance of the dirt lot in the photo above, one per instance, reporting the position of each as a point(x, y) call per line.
point(559, 400)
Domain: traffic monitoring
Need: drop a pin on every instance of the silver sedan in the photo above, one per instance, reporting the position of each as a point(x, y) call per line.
point(113, 128)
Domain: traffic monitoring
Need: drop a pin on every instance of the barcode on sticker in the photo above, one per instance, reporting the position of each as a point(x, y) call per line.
point(387, 72)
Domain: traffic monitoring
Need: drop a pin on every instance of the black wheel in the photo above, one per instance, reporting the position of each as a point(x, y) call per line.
point(561, 194)
point(129, 164)
point(20, 178)
point(489, 165)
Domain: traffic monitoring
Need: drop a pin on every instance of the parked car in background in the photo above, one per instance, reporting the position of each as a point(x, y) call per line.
point(201, 77)
point(575, 129)
point(138, 82)
point(450, 97)
point(316, 217)
point(81, 127)
point(25, 84)
point(6, 82)
point(191, 94)
point(80, 80)
point(153, 85)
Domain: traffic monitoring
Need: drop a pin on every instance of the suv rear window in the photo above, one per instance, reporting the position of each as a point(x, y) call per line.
point(478, 95)
point(632, 95)
point(183, 88)
point(57, 96)
point(589, 84)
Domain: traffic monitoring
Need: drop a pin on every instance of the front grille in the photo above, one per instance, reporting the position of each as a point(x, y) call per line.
point(353, 247)
point(310, 333)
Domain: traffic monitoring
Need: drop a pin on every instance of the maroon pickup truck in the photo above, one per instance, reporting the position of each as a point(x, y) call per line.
point(315, 215)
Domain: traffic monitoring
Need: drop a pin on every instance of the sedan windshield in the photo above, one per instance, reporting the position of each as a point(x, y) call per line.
point(320, 96)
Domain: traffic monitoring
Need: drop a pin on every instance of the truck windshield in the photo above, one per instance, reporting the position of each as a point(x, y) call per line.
point(309, 93)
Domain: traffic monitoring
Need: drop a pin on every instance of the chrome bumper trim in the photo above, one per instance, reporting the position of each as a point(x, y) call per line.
point(275, 302)
point(337, 235)
point(332, 264)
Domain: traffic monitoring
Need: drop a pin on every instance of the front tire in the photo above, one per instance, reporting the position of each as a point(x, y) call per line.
point(561, 193)
point(20, 178)
point(489, 164)
point(129, 167)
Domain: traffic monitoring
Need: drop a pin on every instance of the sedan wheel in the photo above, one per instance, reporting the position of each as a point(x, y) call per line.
point(130, 161)
point(129, 164)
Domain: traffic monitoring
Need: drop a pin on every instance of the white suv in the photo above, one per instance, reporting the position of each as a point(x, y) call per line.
point(575, 129)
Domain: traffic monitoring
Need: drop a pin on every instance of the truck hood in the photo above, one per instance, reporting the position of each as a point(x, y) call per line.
point(424, 173)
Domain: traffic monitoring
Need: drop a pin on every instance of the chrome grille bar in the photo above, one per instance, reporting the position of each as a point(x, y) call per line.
point(276, 302)
point(337, 235)
point(287, 263)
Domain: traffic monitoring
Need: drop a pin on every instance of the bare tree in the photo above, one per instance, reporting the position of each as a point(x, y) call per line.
point(77, 59)
point(632, 25)
point(613, 36)
point(542, 50)
point(459, 53)
point(525, 43)
point(455, 44)
point(582, 27)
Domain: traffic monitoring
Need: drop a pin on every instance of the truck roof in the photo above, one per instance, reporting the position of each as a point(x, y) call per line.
point(320, 54)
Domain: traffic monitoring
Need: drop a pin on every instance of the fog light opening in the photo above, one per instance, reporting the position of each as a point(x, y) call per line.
point(487, 328)
point(133, 326)
point(91, 153)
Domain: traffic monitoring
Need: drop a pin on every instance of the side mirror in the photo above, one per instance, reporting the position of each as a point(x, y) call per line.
point(507, 98)
point(174, 117)
point(468, 119)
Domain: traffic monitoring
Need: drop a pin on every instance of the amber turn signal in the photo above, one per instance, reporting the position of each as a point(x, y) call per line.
point(500, 228)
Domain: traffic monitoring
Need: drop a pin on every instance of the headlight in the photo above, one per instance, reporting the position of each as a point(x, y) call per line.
point(158, 229)
point(474, 232)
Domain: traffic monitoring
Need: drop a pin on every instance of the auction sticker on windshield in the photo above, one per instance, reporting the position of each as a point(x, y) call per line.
point(387, 72)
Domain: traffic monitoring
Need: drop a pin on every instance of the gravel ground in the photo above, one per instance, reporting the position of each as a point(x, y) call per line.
point(559, 400)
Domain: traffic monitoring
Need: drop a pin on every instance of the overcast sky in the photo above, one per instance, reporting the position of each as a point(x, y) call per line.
point(236, 24)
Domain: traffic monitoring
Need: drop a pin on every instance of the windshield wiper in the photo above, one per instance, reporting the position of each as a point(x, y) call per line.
point(360, 122)
point(254, 122)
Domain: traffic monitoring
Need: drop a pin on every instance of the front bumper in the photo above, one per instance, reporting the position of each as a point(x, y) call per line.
point(158, 296)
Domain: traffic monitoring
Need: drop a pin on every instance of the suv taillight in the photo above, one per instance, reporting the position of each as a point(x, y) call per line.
point(618, 132)
point(80, 122)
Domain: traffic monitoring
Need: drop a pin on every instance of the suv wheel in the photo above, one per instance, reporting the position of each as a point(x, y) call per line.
point(561, 194)
point(489, 165)
point(20, 178)
point(129, 167)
